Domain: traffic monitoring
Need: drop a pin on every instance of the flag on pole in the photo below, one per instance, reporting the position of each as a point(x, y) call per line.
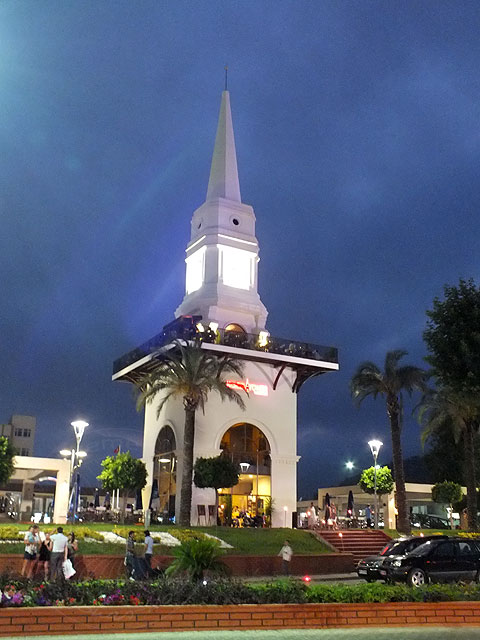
point(117, 450)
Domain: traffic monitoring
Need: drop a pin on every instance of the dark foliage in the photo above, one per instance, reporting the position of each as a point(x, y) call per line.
point(168, 591)
point(452, 337)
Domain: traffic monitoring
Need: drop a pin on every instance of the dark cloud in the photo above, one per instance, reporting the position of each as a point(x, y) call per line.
point(358, 142)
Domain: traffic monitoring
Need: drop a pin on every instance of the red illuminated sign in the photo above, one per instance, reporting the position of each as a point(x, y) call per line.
point(249, 387)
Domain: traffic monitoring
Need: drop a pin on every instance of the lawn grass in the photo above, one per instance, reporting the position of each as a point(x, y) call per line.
point(259, 542)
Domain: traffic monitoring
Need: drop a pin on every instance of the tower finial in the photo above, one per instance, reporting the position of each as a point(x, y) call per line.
point(226, 77)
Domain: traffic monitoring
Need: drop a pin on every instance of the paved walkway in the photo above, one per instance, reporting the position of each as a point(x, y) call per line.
point(379, 633)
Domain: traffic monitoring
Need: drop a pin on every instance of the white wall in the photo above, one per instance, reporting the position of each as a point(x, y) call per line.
point(275, 415)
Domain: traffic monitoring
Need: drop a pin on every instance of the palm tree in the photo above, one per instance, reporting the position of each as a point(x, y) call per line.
point(369, 380)
point(461, 412)
point(190, 373)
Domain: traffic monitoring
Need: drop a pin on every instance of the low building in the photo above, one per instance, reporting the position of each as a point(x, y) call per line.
point(18, 498)
point(20, 430)
point(419, 498)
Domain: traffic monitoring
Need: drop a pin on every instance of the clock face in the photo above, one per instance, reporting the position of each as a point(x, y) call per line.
point(236, 267)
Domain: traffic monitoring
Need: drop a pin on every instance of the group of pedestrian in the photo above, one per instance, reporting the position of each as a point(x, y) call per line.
point(329, 521)
point(138, 566)
point(47, 553)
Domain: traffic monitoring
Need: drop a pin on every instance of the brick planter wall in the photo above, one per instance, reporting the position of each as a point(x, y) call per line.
point(75, 620)
point(103, 566)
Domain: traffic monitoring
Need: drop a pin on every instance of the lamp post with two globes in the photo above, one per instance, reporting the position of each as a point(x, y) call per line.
point(375, 448)
point(76, 458)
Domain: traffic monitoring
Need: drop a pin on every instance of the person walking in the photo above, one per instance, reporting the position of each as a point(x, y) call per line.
point(286, 554)
point(130, 556)
point(368, 516)
point(148, 549)
point(312, 516)
point(58, 554)
point(44, 555)
point(32, 542)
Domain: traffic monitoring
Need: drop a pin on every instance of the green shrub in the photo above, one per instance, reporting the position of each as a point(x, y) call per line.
point(11, 533)
point(178, 591)
point(185, 535)
point(123, 533)
point(282, 591)
point(195, 557)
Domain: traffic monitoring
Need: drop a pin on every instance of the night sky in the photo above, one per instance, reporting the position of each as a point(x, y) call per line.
point(358, 139)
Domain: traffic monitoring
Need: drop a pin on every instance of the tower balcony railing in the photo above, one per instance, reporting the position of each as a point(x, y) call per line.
point(187, 328)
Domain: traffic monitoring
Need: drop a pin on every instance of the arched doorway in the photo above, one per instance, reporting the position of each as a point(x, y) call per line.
point(248, 447)
point(165, 475)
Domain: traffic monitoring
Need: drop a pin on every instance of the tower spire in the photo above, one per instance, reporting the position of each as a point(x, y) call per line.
point(223, 182)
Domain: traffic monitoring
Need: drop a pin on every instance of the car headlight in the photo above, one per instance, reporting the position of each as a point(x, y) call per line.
point(397, 563)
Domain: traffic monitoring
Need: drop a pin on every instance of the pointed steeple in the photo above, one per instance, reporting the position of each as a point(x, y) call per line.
point(223, 182)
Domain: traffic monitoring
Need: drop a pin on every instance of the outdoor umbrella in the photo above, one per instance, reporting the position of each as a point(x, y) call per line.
point(96, 499)
point(350, 505)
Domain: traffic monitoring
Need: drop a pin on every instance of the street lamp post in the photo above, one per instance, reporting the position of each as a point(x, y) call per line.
point(76, 458)
point(375, 448)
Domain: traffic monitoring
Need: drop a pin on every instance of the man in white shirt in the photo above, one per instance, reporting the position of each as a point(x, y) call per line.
point(286, 553)
point(59, 554)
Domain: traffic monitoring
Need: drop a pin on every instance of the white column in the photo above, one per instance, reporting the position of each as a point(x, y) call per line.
point(284, 489)
point(147, 489)
point(62, 491)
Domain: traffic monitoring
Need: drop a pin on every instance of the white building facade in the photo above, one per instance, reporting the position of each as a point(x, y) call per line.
point(222, 307)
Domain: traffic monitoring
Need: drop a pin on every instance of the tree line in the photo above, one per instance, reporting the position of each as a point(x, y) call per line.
point(449, 409)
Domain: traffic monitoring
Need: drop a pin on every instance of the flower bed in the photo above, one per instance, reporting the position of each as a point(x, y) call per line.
point(169, 591)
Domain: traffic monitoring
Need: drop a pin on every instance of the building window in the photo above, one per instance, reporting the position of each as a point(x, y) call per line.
point(18, 432)
point(25, 452)
point(27, 433)
point(195, 270)
point(236, 267)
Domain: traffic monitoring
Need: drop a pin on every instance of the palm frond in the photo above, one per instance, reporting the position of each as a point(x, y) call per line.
point(392, 359)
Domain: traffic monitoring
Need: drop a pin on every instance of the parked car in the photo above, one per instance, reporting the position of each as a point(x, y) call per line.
point(440, 559)
point(427, 521)
point(369, 568)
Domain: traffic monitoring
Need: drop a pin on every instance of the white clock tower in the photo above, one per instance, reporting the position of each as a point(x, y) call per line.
point(223, 310)
point(222, 255)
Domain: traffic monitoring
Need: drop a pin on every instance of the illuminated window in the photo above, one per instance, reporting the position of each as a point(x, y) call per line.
point(234, 327)
point(195, 270)
point(236, 267)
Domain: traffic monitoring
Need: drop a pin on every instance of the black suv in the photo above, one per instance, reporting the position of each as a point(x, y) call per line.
point(440, 559)
point(370, 568)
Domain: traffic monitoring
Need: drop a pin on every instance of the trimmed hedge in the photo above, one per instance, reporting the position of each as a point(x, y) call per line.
point(168, 591)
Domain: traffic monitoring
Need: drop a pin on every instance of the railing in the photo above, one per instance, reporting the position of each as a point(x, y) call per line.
point(240, 340)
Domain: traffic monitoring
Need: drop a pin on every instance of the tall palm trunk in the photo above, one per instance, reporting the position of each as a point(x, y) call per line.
point(187, 470)
point(403, 517)
point(470, 479)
